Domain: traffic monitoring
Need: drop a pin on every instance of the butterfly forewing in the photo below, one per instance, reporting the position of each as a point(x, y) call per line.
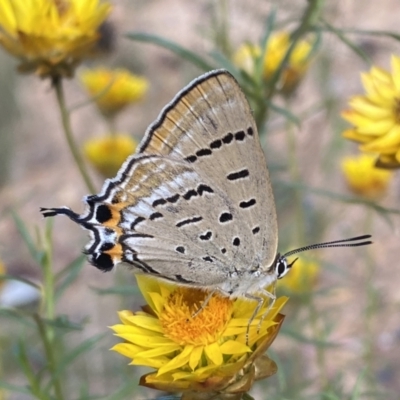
point(218, 215)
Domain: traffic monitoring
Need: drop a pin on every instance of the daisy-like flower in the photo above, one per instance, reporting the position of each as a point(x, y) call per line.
point(277, 47)
point(108, 153)
point(302, 278)
point(207, 352)
point(375, 116)
point(113, 90)
point(363, 178)
point(50, 37)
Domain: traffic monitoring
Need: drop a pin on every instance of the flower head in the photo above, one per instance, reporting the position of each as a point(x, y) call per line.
point(375, 116)
point(113, 89)
point(50, 37)
point(277, 47)
point(302, 278)
point(363, 177)
point(206, 352)
point(108, 153)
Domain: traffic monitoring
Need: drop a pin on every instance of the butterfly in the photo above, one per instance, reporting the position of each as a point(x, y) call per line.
point(195, 204)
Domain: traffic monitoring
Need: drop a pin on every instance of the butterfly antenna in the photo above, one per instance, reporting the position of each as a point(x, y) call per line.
point(352, 242)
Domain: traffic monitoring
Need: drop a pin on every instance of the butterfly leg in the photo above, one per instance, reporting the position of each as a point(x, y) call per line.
point(271, 296)
point(205, 302)
point(260, 302)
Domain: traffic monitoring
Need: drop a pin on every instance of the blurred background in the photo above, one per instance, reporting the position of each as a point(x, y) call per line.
point(342, 330)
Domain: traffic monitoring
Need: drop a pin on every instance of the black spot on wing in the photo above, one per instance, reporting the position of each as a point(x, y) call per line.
point(188, 221)
point(103, 213)
point(225, 217)
point(238, 175)
point(216, 144)
point(103, 262)
point(228, 138)
point(155, 216)
point(250, 131)
point(180, 249)
point(204, 189)
point(240, 135)
point(203, 152)
point(191, 159)
point(159, 202)
point(208, 259)
point(190, 193)
point(256, 230)
point(236, 241)
point(173, 199)
point(206, 236)
point(247, 204)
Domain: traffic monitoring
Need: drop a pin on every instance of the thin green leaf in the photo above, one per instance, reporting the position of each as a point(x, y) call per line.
point(303, 339)
point(62, 322)
point(355, 395)
point(223, 62)
point(285, 113)
point(14, 388)
point(36, 254)
point(70, 273)
point(20, 279)
point(72, 354)
point(269, 26)
point(126, 290)
point(180, 51)
point(348, 42)
point(383, 211)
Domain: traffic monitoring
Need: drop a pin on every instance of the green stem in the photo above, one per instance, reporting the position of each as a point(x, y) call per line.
point(48, 344)
point(371, 304)
point(57, 83)
point(48, 274)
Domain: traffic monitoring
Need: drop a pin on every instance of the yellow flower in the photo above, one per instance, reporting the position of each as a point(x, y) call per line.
point(50, 37)
point(2, 272)
point(363, 177)
point(302, 278)
point(108, 153)
point(277, 47)
point(202, 353)
point(376, 115)
point(113, 89)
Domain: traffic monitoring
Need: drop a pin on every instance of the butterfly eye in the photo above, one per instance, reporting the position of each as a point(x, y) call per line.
point(282, 267)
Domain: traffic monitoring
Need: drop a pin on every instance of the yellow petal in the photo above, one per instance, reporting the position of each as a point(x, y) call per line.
point(146, 340)
point(127, 349)
point(391, 139)
point(158, 351)
point(213, 353)
point(150, 362)
point(352, 134)
point(395, 61)
point(234, 347)
point(376, 127)
point(178, 361)
point(365, 107)
point(195, 357)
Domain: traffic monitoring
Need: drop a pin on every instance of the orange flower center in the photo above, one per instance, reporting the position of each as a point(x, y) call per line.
point(205, 327)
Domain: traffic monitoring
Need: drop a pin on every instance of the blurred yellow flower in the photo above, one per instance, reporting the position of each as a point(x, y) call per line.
point(363, 177)
point(277, 47)
point(50, 37)
point(302, 278)
point(376, 115)
point(108, 153)
point(113, 89)
point(2, 272)
point(202, 353)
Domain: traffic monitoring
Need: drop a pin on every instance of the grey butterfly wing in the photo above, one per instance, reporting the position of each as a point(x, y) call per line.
point(199, 204)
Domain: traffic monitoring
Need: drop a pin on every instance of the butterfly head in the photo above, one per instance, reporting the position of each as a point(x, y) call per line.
point(282, 266)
